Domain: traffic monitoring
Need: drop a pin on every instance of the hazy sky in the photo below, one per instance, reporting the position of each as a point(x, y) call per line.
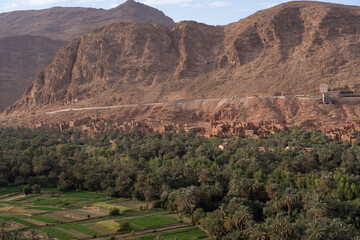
point(216, 12)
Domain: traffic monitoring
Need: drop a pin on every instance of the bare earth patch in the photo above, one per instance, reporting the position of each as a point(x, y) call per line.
point(68, 214)
point(21, 210)
point(37, 222)
point(95, 211)
point(77, 233)
point(13, 197)
point(14, 225)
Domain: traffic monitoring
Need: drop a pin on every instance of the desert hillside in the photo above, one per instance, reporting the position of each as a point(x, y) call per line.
point(290, 49)
point(20, 58)
point(66, 23)
point(24, 50)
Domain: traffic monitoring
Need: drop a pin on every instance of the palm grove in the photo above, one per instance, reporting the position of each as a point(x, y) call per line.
point(237, 193)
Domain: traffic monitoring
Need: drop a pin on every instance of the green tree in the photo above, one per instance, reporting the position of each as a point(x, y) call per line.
point(27, 189)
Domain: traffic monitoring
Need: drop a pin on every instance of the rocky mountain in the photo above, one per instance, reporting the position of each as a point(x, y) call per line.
point(290, 48)
point(20, 58)
point(23, 53)
point(66, 23)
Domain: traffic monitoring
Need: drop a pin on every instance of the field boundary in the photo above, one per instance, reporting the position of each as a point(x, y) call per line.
point(127, 234)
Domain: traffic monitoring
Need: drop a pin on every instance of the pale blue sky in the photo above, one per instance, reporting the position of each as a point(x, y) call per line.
point(215, 12)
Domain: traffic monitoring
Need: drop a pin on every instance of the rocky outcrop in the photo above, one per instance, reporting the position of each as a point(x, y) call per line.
point(62, 23)
point(290, 48)
point(20, 58)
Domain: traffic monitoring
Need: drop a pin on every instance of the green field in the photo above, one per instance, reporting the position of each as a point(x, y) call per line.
point(72, 215)
point(150, 222)
point(44, 208)
point(183, 234)
point(80, 228)
point(52, 202)
point(25, 198)
point(59, 233)
point(9, 190)
point(45, 219)
point(18, 219)
point(82, 195)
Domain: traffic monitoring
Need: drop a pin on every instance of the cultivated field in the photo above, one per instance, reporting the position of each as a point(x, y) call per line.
point(82, 215)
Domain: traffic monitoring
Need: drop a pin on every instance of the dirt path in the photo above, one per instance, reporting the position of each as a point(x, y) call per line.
point(12, 197)
point(174, 102)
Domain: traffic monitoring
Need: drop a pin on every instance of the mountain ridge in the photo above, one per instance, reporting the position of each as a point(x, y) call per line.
point(288, 49)
point(58, 25)
point(66, 23)
point(267, 52)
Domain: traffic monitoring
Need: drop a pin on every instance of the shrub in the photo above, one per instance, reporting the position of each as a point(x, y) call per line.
point(125, 226)
point(114, 226)
point(114, 212)
point(109, 225)
point(111, 206)
point(66, 203)
point(158, 204)
point(35, 188)
point(27, 190)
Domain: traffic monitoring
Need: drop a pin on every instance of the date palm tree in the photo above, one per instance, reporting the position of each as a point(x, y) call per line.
point(280, 227)
point(34, 235)
point(187, 200)
point(3, 226)
point(316, 229)
point(255, 231)
point(14, 235)
point(242, 217)
point(289, 199)
point(317, 205)
point(229, 223)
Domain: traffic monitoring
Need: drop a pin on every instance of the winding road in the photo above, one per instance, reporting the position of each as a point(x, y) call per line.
point(173, 103)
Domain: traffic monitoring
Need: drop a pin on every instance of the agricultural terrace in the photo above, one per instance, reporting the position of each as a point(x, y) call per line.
point(52, 214)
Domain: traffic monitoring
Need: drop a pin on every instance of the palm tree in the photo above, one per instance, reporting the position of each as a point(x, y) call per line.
point(317, 205)
point(289, 199)
point(272, 190)
point(34, 234)
point(49, 236)
point(242, 217)
point(316, 230)
point(255, 231)
point(214, 224)
point(14, 235)
point(276, 205)
point(229, 223)
point(187, 200)
point(328, 184)
point(3, 226)
point(280, 227)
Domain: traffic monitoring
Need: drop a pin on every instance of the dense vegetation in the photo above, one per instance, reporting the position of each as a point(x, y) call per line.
point(288, 192)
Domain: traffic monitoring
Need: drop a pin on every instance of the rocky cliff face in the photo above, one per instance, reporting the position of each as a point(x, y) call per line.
point(67, 23)
point(20, 58)
point(290, 48)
